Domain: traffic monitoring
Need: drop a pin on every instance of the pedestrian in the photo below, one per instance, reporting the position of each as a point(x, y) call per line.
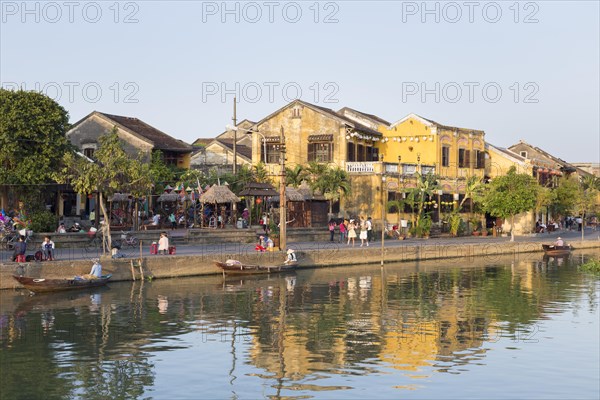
point(20, 248)
point(163, 243)
point(264, 221)
point(369, 230)
point(579, 222)
point(363, 232)
point(48, 248)
point(343, 231)
point(332, 226)
point(351, 232)
point(173, 221)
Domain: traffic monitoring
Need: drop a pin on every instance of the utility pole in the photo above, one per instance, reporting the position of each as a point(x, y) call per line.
point(234, 137)
point(282, 198)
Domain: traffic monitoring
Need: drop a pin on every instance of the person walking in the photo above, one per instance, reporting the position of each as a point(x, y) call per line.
point(370, 235)
point(343, 231)
point(363, 232)
point(351, 232)
point(331, 226)
point(173, 221)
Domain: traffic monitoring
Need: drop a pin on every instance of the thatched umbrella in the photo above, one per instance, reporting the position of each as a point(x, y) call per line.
point(218, 195)
point(257, 189)
point(291, 194)
point(165, 197)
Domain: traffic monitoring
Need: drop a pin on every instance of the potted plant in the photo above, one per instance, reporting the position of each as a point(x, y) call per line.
point(425, 226)
point(274, 233)
point(454, 221)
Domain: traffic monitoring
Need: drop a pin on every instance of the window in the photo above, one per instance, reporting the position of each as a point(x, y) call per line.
point(479, 159)
point(170, 158)
point(427, 169)
point(445, 156)
point(523, 154)
point(273, 152)
point(464, 158)
point(89, 152)
point(320, 152)
point(409, 169)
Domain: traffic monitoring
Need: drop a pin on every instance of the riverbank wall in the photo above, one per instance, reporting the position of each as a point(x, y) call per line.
point(317, 255)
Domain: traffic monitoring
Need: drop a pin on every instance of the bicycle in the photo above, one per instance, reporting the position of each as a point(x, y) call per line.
point(94, 245)
point(10, 239)
point(127, 240)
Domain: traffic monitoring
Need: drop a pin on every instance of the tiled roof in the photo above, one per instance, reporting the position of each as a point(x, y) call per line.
point(160, 140)
point(368, 116)
point(242, 150)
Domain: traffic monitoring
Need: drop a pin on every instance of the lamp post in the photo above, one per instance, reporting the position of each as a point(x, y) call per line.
point(282, 198)
point(382, 218)
point(234, 137)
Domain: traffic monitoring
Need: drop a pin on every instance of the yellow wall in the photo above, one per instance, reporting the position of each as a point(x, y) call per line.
point(420, 142)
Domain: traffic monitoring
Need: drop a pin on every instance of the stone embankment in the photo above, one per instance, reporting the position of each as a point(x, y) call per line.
point(316, 255)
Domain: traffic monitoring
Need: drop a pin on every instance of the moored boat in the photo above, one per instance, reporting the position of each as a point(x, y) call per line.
point(40, 285)
point(234, 267)
point(551, 250)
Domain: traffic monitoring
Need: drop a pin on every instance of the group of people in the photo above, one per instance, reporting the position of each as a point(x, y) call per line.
point(46, 253)
point(347, 230)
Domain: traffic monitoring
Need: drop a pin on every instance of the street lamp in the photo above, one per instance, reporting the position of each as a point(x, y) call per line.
point(383, 204)
point(235, 129)
point(282, 198)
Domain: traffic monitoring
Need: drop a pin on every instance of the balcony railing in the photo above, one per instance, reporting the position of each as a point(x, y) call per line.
point(361, 167)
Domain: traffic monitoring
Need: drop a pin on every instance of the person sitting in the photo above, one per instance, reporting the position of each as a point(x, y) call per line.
point(115, 253)
point(20, 248)
point(559, 242)
point(539, 226)
point(96, 271)
point(261, 246)
point(75, 228)
point(48, 248)
point(269, 244)
point(61, 228)
point(291, 257)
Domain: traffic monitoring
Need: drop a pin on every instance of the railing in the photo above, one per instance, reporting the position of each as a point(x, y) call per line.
point(361, 167)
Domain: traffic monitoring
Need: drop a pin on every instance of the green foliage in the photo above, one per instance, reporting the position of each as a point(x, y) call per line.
point(260, 173)
point(425, 188)
point(425, 224)
point(295, 176)
point(43, 221)
point(159, 171)
point(511, 194)
point(455, 221)
point(273, 228)
point(32, 137)
point(332, 182)
point(564, 196)
point(592, 266)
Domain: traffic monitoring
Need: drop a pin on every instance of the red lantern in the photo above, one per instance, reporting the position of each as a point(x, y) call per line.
point(258, 200)
point(90, 196)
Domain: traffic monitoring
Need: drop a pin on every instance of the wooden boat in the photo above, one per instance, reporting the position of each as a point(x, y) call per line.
point(551, 250)
point(232, 267)
point(40, 285)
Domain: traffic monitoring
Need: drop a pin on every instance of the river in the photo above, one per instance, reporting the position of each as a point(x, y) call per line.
point(513, 328)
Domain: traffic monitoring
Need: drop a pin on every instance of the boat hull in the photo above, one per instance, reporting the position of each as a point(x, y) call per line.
point(550, 250)
point(244, 269)
point(41, 285)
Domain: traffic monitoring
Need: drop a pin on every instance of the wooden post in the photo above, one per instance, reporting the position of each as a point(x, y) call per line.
point(132, 270)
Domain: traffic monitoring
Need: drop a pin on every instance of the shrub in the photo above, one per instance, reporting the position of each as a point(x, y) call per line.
point(43, 221)
point(455, 224)
point(592, 266)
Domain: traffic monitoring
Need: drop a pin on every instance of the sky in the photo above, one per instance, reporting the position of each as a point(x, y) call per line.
point(517, 70)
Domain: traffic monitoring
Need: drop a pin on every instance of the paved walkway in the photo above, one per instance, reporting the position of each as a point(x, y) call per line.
point(570, 237)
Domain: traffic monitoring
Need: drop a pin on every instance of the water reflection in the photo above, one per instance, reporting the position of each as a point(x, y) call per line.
point(340, 329)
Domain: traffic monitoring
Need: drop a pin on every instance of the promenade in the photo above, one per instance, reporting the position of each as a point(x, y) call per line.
point(197, 259)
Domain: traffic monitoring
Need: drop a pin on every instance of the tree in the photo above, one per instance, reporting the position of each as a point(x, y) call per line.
point(424, 189)
point(295, 176)
point(160, 172)
point(510, 195)
point(113, 171)
point(32, 140)
point(261, 175)
point(333, 183)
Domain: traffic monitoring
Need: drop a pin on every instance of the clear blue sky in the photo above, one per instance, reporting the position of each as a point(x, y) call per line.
point(170, 64)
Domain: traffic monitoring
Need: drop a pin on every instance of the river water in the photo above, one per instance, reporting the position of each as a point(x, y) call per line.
point(502, 328)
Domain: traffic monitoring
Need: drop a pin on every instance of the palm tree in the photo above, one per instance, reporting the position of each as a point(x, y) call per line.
point(333, 182)
point(397, 205)
point(295, 176)
point(261, 175)
point(425, 186)
point(315, 170)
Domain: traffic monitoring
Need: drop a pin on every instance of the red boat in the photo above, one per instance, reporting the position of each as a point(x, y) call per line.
point(40, 285)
